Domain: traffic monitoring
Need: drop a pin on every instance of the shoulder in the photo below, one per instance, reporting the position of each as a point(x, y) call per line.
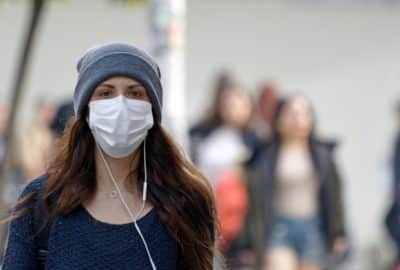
point(31, 193)
point(266, 150)
point(23, 217)
point(325, 148)
point(251, 138)
point(199, 131)
point(35, 186)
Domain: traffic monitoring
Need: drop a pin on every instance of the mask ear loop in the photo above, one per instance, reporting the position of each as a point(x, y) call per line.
point(144, 198)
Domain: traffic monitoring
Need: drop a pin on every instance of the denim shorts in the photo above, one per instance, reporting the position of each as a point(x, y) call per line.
point(303, 236)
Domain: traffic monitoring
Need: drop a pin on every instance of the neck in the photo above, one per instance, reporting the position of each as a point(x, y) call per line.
point(120, 169)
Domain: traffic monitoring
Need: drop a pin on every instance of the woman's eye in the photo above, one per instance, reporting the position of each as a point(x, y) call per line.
point(135, 94)
point(105, 93)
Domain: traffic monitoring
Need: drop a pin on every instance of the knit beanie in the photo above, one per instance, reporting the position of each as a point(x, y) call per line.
point(117, 59)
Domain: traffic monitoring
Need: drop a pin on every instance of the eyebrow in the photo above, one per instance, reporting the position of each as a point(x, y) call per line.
point(132, 86)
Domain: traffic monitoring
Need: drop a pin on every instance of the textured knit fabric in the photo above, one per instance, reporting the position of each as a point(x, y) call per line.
point(117, 59)
point(78, 241)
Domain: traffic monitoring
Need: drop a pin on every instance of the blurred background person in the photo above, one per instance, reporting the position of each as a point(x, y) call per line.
point(267, 102)
point(225, 135)
point(212, 117)
point(221, 141)
point(63, 114)
point(296, 214)
point(36, 142)
point(392, 220)
point(11, 173)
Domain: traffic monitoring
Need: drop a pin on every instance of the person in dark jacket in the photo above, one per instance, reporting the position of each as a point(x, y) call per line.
point(296, 206)
point(392, 220)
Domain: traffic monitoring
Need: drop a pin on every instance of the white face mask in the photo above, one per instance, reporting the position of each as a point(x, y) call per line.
point(119, 125)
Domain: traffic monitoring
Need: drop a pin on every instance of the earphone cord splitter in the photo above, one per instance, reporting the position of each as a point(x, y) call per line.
point(144, 198)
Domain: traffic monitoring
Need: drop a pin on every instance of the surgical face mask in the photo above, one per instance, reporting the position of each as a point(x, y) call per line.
point(119, 125)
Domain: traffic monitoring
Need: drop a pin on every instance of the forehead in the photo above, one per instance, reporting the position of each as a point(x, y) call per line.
point(298, 103)
point(235, 93)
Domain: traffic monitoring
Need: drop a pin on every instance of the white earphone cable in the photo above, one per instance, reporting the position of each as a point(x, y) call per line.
point(144, 197)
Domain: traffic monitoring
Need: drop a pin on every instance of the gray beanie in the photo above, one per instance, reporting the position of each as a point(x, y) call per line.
point(117, 59)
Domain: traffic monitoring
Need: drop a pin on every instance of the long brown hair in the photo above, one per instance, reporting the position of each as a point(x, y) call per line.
point(213, 119)
point(180, 194)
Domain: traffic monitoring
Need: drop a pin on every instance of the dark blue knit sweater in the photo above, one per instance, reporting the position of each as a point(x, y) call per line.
point(77, 241)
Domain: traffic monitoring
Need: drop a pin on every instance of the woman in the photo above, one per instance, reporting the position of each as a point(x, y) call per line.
point(221, 142)
point(296, 204)
point(119, 194)
point(224, 137)
point(212, 118)
point(392, 220)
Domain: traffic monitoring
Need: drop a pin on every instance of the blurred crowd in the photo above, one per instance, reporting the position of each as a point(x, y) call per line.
point(278, 189)
point(277, 186)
